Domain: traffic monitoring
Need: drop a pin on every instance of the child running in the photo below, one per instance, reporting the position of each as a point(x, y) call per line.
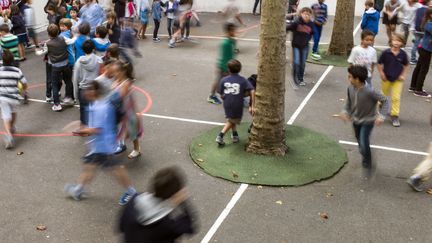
point(361, 109)
point(10, 95)
point(364, 54)
point(102, 131)
point(393, 67)
point(233, 89)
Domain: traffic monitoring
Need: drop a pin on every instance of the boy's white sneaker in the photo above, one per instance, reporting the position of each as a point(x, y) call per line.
point(56, 107)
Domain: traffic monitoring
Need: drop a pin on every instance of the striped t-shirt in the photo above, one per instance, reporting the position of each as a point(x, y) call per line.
point(10, 42)
point(9, 78)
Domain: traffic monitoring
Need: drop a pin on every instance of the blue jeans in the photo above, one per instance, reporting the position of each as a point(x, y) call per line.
point(83, 107)
point(362, 133)
point(316, 37)
point(299, 63)
point(416, 41)
point(170, 23)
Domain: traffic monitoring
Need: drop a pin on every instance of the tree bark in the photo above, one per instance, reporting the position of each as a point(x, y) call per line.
point(342, 40)
point(268, 131)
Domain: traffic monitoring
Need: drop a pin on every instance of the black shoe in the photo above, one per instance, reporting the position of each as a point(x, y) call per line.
point(120, 149)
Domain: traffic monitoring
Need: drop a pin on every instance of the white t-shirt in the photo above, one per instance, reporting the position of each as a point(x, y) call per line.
point(170, 6)
point(408, 12)
point(231, 11)
point(363, 56)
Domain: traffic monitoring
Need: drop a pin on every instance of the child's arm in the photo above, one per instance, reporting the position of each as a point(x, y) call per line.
point(345, 115)
point(42, 51)
point(252, 106)
point(384, 107)
point(381, 72)
point(404, 73)
point(364, 21)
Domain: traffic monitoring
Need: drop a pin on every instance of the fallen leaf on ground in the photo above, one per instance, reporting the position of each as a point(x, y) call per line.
point(41, 227)
point(362, 190)
point(341, 99)
point(429, 191)
point(335, 115)
point(234, 174)
point(174, 74)
point(200, 160)
point(329, 194)
point(259, 187)
point(256, 174)
point(324, 215)
point(279, 202)
point(20, 153)
point(200, 145)
point(428, 100)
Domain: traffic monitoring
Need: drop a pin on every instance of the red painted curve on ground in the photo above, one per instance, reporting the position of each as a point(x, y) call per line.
point(136, 88)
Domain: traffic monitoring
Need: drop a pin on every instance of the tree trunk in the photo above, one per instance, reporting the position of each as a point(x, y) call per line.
point(342, 40)
point(268, 131)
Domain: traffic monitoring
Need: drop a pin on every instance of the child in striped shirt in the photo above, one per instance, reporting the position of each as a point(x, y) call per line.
point(9, 42)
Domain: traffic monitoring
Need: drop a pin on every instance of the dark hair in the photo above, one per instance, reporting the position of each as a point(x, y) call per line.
point(15, 10)
point(306, 9)
point(94, 85)
point(127, 68)
point(74, 9)
point(369, 3)
point(234, 66)
point(358, 72)
point(8, 58)
point(167, 182)
point(66, 22)
point(366, 33)
point(53, 30)
point(229, 27)
point(427, 18)
point(113, 51)
point(88, 47)
point(4, 28)
point(84, 28)
point(102, 31)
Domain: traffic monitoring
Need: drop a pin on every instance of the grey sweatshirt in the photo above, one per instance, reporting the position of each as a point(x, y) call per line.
point(361, 104)
point(86, 69)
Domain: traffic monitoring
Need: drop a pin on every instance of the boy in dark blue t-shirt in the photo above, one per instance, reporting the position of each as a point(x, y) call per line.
point(232, 89)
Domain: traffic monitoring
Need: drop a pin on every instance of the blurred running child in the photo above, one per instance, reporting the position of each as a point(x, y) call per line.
point(30, 21)
point(226, 52)
point(393, 67)
point(10, 78)
point(233, 89)
point(114, 31)
point(320, 13)
point(364, 54)
point(102, 142)
point(361, 109)
point(302, 29)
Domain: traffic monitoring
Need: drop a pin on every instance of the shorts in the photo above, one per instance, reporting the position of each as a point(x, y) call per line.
point(22, 38)
point(388, 21)
point(6, 110)
point(102, 160)
point(234, 120)
point(31, 33)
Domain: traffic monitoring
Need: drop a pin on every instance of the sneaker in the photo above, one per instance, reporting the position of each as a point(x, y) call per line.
point(134, 154)
point(415, 183)
point(171, 43)
point(422, 94)
point(56, 108)
point(73, 191)
point(413, 62)
point(220, 140)
point(120, 149)
point(294, 85)
point(235, 139)
point(302, 83)
point(316, 56)
point(30, 46)
point(125, 198)
point(156, 40)
point(395, 121)
point(9, 142)
point(48, 100)
point(214, 100)
point(68, 101)
point(410, 89)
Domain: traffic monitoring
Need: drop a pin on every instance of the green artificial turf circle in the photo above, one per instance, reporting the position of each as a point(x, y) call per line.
point(312, 157)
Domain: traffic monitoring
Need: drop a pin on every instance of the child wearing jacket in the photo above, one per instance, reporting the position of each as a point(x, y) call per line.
point(371, 17)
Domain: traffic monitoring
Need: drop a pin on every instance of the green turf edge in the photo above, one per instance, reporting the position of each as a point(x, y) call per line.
point(249, 177)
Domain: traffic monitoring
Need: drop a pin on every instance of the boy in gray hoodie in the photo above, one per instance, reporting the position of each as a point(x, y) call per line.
point(86, 69)
point(361, 110)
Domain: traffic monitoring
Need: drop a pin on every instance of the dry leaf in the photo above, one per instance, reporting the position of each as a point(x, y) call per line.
point(310, 158)
point(428, 100)
point(256, 174)
point(41, 227)
point(200, 160)
point(259, 187)
point(324, 215)
point(362, 190)
point(174, 74)
point(335, 115)
point(200, 145)
point(429, 191)
point(341, 99)
point(279, 202)
point(234, 174)
point(329, 194)
point(20, 153)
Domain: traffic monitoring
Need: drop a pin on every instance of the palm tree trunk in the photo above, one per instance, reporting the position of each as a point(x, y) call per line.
point(342, 40)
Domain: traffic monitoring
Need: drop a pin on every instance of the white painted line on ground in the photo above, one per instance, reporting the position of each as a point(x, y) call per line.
point(224, 213)
point(357, 29)
point(386, 148)
point(184, 119)
point(306, 100)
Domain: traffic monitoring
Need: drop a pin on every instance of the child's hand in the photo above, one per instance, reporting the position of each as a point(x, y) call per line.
point(401, 78)
point(379, 121)
point(383, 77)
point(345, 117)
point(251, 110)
